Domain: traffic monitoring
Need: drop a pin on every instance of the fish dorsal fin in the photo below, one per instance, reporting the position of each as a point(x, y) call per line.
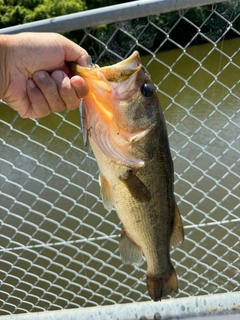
point(130, 253)
point(177, 235)
point(135, 186)
point(105, 192)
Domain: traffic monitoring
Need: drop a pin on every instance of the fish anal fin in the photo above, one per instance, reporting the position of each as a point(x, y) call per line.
point(177, 235)
point(105, 192)
point(135, 186)
point(162, 285)
point(130, 253)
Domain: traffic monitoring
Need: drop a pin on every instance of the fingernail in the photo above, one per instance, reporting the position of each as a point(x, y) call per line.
point(40, 75)
point(31, 83)
point(58, 75)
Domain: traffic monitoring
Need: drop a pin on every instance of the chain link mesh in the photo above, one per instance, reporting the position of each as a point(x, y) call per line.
point(58, 245)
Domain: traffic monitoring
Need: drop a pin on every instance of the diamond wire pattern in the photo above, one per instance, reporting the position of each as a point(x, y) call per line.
point(59, 247)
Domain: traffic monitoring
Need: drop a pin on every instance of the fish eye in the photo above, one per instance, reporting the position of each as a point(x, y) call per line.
point(147, 90)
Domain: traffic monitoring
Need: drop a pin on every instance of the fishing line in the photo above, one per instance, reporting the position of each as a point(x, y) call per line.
point(88, 169)
point(221, 48)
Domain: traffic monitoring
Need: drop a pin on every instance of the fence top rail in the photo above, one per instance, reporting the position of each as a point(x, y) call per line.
point(106, 15)
point(189, 308)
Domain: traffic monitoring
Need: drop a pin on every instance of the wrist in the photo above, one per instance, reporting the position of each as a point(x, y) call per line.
point(4, 75)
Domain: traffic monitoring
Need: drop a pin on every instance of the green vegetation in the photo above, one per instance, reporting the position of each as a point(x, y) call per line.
point(14, 12)
point(176, 24)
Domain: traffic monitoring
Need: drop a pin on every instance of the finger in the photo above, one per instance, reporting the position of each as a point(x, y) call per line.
point(80, 86)
point(66, 91)
point(50, 91)
point(38, 106)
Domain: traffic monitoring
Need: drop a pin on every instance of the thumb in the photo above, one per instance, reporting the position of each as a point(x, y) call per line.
point(74, 52)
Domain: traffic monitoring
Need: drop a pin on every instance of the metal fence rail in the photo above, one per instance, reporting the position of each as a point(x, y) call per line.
point(105, 15)
point(58, 245)
point(222, 306)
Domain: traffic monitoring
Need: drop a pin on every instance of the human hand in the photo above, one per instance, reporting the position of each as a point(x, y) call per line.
point(34, 77)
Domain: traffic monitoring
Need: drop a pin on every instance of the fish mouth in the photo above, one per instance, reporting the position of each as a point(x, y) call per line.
point(123, 70)
point(131, 62)
point(111, 83)
point(104, 77)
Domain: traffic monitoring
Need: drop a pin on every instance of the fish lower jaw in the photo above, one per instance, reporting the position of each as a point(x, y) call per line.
point(161, 285)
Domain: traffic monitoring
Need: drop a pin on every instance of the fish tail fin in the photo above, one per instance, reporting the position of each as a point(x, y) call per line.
point(162, 285)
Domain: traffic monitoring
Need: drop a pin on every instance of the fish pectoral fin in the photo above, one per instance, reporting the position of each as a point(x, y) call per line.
point(105, 192)
point(135, 186)
point(134, 137)
point(177, 235)
point(130, 253)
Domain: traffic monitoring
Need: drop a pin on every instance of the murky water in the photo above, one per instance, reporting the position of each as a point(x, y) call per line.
point(50, 193)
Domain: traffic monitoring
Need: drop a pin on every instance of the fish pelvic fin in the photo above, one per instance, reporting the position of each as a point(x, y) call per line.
point(130, 253)
point(105, 192)
point(177, 235)
point(135, 186)
point(162, 285)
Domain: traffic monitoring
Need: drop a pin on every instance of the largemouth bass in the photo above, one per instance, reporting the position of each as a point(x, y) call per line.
point(125, 127)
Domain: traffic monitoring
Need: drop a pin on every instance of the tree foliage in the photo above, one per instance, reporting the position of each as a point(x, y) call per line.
point(14, 12)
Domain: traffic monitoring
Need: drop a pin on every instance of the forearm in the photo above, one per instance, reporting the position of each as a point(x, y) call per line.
point(3, 64)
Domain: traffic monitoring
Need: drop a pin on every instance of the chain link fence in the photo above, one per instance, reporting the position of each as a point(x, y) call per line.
point(58, 245)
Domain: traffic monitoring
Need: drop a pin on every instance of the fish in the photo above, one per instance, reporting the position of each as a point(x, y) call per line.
point(125, 127)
